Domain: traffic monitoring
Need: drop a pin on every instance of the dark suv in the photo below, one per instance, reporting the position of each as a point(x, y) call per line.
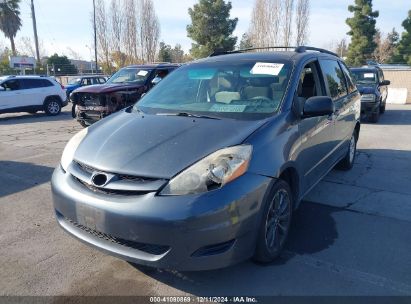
point(373, 88)
point(123, 89)
point(207, 168)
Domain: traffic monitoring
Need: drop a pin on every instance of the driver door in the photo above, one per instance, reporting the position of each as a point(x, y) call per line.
point(316, 133)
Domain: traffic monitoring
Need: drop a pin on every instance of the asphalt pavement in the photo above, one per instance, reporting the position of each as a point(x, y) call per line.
point(351, 235)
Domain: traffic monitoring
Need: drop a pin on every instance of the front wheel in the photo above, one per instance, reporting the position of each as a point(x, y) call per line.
point(52, 107)
point(275, 223)
point(348, 161)
point(382, 108)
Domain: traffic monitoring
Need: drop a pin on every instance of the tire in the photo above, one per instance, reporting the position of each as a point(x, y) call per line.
point(348, 161)
point(73, 111)
point(275, 223)
point(52, 106)
point(382, 108)
point(375, 117)
point(83, 124)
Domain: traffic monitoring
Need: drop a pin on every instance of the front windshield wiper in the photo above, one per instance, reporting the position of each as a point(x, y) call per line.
point(187, 114)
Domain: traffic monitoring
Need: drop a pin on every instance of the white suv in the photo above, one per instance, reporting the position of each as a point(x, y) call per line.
point(31, 94)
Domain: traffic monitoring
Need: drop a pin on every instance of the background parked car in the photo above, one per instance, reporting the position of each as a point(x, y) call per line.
point(373, 89)
point(124, 88)
point(83, 81)
point(31, 94)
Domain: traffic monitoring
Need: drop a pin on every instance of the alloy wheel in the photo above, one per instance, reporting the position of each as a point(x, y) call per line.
point(278, 221)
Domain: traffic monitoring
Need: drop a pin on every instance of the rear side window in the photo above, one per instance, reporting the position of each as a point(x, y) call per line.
point(349, 78)
point(334, 78)
point(35, 83)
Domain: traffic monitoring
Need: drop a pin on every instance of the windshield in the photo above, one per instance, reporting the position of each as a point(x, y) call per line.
point(74, 81)
point(364, 77)
point(130, 75)
point(243, 90)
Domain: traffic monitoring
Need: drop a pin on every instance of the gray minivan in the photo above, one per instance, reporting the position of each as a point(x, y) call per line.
point(207, 168)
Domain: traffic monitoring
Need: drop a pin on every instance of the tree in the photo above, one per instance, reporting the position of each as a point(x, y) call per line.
point(130, 30)
point(362, 32)
point(26, 47)
point(211, 27)
point(103, 43)
point(341, 49)
point(61, 65)
point(165, 53)
point(403, 52)
point(386, 46)
point(117, 20)
point(266, 20)
point(5, 54)
point(245, 42)
point(287, 23)
point(302, 18)
point(10, 22)
point(149, 30)
point(177, 54)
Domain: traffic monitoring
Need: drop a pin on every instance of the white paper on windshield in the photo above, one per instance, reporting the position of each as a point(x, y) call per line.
point(368, 75)
point(142, 73)
point(227, 108)
point(267, 68)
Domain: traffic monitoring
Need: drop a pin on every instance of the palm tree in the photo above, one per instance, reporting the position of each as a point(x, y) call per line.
point(10, 21)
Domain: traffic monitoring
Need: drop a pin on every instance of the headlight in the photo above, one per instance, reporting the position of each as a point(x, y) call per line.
point(368, 98)
point(212, 172)
point(71, 148)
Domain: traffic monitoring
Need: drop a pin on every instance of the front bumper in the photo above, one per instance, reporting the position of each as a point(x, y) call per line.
point(193, 232)
point(91, 114)
point(368, 108)
point(64, 103)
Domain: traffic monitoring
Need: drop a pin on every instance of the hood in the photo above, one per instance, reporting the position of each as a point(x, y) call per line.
point(366, 88)
point(107, 88)
point(157, 146)
point(71, 86)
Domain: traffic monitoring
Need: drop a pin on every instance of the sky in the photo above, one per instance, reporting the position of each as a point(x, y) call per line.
point(63, 24)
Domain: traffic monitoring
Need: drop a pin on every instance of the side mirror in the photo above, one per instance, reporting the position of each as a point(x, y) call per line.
point(385, 82)
point(156, 80)
point(318, 106)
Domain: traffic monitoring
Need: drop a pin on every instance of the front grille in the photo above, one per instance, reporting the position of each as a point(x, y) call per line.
point(91, 99)
point(121, 184)
point(135, 178)
point(148, 248)
point(110, 191)
point(85, 168)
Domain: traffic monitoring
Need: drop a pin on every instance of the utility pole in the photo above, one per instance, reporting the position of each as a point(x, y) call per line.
point(95, 35)
point(36, 39)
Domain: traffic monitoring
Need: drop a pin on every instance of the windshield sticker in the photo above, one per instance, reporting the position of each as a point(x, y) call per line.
point(227, 108)
point(142, 73)
point(267, 68)
point(369, 75)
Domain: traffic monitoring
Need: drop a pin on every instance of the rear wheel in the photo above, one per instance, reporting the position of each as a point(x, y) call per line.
point(52, 106)
point(275, 223)
point(348, 161)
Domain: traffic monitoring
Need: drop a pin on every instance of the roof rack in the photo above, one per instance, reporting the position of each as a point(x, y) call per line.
point(303, 48)
point(297, 49)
